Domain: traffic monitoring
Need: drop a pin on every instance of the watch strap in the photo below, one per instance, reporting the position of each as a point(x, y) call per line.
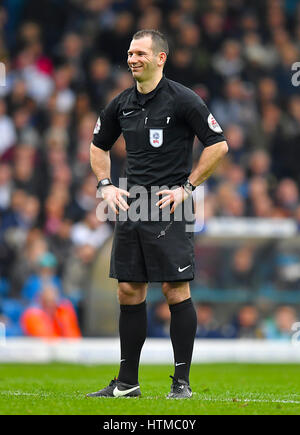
point(103, 183)
point(189, 187)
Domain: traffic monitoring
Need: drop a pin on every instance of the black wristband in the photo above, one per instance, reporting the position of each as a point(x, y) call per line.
point(189, 186)
point(103, 183)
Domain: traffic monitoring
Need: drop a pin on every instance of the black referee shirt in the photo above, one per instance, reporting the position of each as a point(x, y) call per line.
point(159, 130)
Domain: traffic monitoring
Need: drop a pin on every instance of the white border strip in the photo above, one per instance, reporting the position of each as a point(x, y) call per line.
point(155, 351)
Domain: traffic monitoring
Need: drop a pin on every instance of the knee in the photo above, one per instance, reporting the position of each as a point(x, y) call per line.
point(131, 293)
point(175, 292)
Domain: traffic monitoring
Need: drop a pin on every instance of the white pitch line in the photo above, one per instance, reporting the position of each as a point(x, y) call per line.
point(17, 393)
point(233, 400)
point(203, 399)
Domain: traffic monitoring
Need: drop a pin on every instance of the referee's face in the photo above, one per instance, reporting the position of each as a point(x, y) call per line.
point(141, 59)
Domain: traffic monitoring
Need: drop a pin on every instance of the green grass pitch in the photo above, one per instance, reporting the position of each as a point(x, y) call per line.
point(218, 389)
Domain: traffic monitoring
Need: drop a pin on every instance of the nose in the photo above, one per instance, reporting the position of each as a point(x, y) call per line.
point(132, 59)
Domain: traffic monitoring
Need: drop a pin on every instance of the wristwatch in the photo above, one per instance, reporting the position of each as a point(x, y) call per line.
point(103, 183)
point(188, 187)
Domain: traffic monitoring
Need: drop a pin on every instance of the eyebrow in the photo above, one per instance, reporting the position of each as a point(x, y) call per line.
point(138, 51)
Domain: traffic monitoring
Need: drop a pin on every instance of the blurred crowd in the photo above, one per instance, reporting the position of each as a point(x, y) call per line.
point(64, 61)
point(248, 323)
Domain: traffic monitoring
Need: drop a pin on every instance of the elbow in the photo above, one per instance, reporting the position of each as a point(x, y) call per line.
point(224, 148)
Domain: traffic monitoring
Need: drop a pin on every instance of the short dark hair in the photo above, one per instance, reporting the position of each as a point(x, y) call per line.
point(159, 41)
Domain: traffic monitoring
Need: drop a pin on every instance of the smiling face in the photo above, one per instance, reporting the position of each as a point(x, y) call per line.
point(142, 61)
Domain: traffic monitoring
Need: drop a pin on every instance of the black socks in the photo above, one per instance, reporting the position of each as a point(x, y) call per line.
point(182, 331)
point(133, 330)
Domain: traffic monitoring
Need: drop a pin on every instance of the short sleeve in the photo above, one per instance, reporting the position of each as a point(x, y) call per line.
point(201, 120)
point(107, 129)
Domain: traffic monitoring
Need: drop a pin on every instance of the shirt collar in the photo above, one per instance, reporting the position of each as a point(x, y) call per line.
point(151, 94)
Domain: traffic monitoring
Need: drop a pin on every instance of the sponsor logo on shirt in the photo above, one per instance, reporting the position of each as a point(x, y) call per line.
point(97, 126)
point(213, 124)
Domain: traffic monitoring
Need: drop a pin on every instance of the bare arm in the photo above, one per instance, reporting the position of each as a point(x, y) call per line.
point(100, 163)
point(209, 160)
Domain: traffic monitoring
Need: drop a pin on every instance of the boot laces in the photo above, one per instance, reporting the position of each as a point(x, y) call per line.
point(177, 387)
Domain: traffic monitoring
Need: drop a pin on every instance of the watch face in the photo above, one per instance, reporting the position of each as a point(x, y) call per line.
point(190, 186)
point(104, 182)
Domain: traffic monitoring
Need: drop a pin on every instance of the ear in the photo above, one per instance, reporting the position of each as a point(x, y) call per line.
point(162, 57)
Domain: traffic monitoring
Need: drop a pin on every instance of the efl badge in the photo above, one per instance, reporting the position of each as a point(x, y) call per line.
point(156, 138)
point(97, 126)
point(213, 125)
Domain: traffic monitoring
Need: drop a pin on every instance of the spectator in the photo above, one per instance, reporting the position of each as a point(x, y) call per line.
point(83, 201)
point(229, 62)
point(54, 213)
point(22, 214)
point(56, 136)
point(61, 245)
point(71, 52)
point(38, 81)
point(76, 273)
point(287, 196)
point(213, 26)
point(260, 56)
point(236, 175)
point(159, 320)
point(246, 324)
point(259, 164)
point(236, 138)
point(150, 19)
point(243, 272)
point(181, 66)
point(65, 97)
point(268, 133)
point(45, 273)
point(85, 129)
point(26, 261)
point(279, 327)
point(24, 165)
point(287, 270)
point(230, 202)
point(7, 130)
point(6, 186)
point(90, 231)
point(115, 42)
point(51, 317)
point(10, 313)
point(22, 118)
point(101, 80)
point(267, 91)
point(207, 327)
point(237, 105)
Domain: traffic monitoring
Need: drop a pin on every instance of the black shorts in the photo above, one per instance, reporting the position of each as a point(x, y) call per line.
point(154, 250)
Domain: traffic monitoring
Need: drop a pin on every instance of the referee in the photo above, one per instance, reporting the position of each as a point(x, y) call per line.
point(159, 119)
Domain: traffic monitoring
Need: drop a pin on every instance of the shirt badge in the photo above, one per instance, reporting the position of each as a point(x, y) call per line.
point(156, 137)
point(97, 126)
point(213, 124)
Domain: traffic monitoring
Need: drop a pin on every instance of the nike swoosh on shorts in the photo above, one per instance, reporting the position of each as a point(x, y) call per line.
point(181, 270)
